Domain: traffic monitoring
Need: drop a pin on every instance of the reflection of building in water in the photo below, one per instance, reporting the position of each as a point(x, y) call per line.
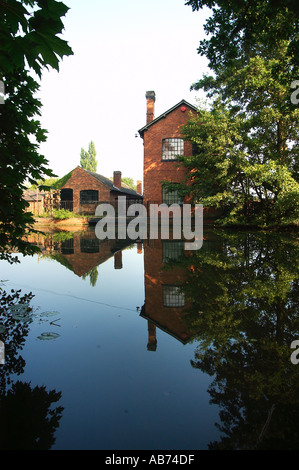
point(165, 304)
point(80, 251)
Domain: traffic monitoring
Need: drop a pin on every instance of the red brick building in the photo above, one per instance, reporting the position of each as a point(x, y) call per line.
point(82, 190)
point(163, 141)
point(166, 307)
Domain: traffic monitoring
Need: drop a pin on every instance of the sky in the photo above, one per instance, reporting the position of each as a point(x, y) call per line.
point(121, 50)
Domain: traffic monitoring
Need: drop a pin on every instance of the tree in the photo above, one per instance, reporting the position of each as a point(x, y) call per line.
point(240, 29)
point(248, 142)
point(246, 318)
point(48, 182)
point(237, 168)
point(88, 159)
point(29, 42)
point(129, 182)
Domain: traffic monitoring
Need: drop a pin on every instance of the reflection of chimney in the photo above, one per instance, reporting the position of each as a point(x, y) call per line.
point(150, 106)
point(139, 187)
point(118, 260)
point(117, 179)
point(139, 248)
point(152, 340)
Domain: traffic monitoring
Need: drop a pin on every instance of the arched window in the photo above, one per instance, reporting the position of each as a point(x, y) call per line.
point(171, 148)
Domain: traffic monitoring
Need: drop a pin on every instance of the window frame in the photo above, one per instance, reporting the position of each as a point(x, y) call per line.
point(171, 155)
point(89, 200)
point(173, 296)
point(177, 200)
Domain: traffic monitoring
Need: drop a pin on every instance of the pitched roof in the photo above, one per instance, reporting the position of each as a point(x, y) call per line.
point(102, 179)
point(31, 195)
point(181, 103)
point(109, 183)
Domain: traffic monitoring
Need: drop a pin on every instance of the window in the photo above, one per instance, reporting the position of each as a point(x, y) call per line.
point(66, 194)
point(171, 148)
point(67, 247)
point(171, 197)
point(172, 250)
point(173, 296)
point(89, 245)
point(88, 196)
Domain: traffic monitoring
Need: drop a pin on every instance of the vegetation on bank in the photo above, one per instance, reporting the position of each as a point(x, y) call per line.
point(61, 214)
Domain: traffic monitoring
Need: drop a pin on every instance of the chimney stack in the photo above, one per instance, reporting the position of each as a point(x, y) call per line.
point(150, 106)
point(118, 263)
point(139, 187)
point(117, 179)
point(152, 337)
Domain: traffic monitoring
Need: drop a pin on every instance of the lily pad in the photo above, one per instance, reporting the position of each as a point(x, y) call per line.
point(20, 308)
point(2, 328)
point(21, 317)
point(48, 314)
point(48, 336)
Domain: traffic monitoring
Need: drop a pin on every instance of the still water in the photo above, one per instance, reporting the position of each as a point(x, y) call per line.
point(119, 345)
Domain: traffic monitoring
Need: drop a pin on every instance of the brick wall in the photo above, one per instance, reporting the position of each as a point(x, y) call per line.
point(156, 170)
point(170, 319)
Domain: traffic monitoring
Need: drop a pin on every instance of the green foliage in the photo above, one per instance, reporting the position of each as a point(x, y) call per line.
point(240, 29)
point(48, 182)
point(29, 41)
point(246, 161)
point(30, 32)
point(92, 275)
point(129, 182)
point(61, 181)
point(233, 170)
point(61, 236)
point(62, 214)
point(88, 159)
point(246, 317)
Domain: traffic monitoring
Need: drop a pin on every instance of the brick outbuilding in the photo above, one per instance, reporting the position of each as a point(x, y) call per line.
point(82, 190)
point(163, 141)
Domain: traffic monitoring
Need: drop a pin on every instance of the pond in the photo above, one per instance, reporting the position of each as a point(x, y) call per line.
point(121, 345)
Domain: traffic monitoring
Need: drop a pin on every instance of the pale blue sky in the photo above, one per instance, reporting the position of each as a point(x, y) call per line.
point(121, 50)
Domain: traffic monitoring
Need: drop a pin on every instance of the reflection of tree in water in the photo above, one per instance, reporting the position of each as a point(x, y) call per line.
point(93, 276)
point(245, 297)
point(27, 420)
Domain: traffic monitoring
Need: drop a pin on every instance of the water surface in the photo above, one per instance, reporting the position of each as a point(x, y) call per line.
point(146, 346)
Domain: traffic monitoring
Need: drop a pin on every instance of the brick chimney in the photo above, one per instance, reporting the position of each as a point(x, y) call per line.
point(118, 263)
point(139, 187)
point(150, 106)
point(152, 338)
point(117, 179)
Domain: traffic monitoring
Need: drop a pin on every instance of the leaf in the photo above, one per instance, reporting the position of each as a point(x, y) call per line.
point(48, 336)
point(48, 314)
point(19, 308)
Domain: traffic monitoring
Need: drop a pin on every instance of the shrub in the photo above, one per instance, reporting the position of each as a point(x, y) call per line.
point(62, 214)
